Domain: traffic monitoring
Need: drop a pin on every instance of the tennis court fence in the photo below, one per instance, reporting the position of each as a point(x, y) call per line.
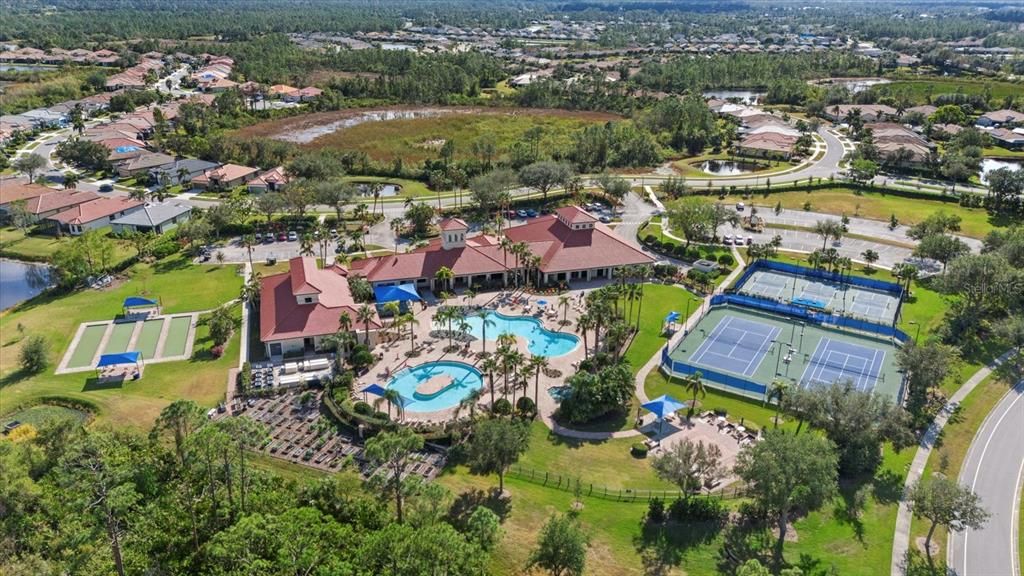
point(728, 382)
point(572, 485)
point(786, 268)
point(809, 315)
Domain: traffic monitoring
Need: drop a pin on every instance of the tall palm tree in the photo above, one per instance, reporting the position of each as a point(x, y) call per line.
point(485, 321)
point(365, 314)
point(583, 324)
point(513, 361)
point(306, 245)
point(470, 401)
point(396, 228)
point(444, 275)
point(564, 303)
point(248, 240)
point(183, 176)
point(506, 244)
point(644, 272)
point(694, 383)
point(412, 323)
point(777, 391)
point(71, 180)
point(490, 365)
point(537, 365)
point(468, 295)
point(392, 397)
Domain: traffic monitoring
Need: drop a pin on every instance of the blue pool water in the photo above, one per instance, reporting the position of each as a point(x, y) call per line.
point(465, 379)
point(542, 342)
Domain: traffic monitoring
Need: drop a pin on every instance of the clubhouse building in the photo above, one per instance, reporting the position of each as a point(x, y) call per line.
point(299, 308)
point(572, 246)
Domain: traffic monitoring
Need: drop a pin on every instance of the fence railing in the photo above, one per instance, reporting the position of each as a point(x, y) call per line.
point(727, 382)
point(787, 268)
point(587, 489)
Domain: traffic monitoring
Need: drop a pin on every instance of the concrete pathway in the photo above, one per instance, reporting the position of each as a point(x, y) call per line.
point(901, 539)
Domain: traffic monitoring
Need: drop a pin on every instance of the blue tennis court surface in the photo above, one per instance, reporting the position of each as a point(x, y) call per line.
point(736, 345)
point(835, 361)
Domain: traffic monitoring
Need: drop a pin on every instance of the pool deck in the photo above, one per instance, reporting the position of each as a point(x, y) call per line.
point(393, 352)
point(64, 368)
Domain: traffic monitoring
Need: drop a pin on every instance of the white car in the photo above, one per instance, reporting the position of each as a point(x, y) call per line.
point(740, 206)
point(727, 239)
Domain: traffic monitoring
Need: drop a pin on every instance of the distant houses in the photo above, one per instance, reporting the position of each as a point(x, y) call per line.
point(224, 177)
point(157, 217)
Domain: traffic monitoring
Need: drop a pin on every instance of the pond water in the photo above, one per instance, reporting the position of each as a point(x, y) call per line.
point(307, 135)
point(396, 46)
point(990, 164)
point(386, 190)
point(744, 96)
point(727, 167)
point(11, 67)
point(20, 281)
point(854, 85)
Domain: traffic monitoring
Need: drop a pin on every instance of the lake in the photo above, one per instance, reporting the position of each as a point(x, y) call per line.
point(20, 281)
point(744, 96)
point(990, 164)
point(727, 167)
point(9, 67)
point(306, 135)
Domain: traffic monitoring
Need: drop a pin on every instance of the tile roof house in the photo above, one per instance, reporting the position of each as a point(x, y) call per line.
point(47, 204)
point(143, 163)
point(157, 217)
point(299, 308)
point(868, 112)
point(15, 189)
point(224, 177)
point(281, 90)
point(181, 171)
point(1010, 139)
point(269, 181)
point(93, 214)
point(571, 244)
point(767, 144)
point(999, 117)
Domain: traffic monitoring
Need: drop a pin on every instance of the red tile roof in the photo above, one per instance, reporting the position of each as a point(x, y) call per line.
point(57, 200)
point(561, 250)
point(574, 215)
point(94, 210)
point(282, 317)
point(14, 189)
point(453, 224)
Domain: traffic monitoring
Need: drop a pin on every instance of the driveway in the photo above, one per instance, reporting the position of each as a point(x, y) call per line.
point(994, 469)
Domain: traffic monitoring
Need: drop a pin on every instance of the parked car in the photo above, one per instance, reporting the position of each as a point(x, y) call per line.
point(605, 219)
point(750, 240)
point(521, 213)
point(727, 239)
point(106, 187)
point(268, 238)
point(740, 206)
point(531, 213)
point(282, 237)
point(293, 236)
point(334, 232)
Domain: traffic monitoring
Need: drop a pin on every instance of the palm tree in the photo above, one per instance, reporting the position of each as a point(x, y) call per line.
point(444, 275)
point(584, 323)
point(183, 176)
point(248, 240)
point(366, 314)
point(694, 383)
point(537, 365)
point(468, 295)
point(485, 321)
point(513, 361)
point(392, 397)
point(777, 390)
point(396, 228)
point(489, 366)
point(71, 180)
point(306, 245)
point(470, 401)
point(506, 245)
point(644, 272)
point(411, 321)
point(564, 303)
point(376, 188)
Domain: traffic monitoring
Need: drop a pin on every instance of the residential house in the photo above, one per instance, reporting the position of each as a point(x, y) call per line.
point(182, 171)
point(1000, 117)
point(93, 214)
point(1009, 139)
point(143, 164)
point(224, 177)
point(156, 217)
point(47, 204)
point(300, 308)
point(272, 180)
point(19, 189)
point(868, 112)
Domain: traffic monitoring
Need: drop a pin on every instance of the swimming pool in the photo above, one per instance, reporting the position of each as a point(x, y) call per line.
point(436, 385)
point(541, 341)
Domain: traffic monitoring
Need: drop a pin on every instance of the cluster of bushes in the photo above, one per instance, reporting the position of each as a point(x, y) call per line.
point(693, 253)
point(699, 509)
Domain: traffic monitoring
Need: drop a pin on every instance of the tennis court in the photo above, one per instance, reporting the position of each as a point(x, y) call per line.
point(845, 299)
point(737, 345)
point(157, 339)
point(734, 343)
point(835, 361)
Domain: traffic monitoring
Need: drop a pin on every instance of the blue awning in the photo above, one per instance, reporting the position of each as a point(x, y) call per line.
point(135, 301)
point(121, 358)
point(400, 293)
point(375, 389)
point(664, 405)
point(672, 317)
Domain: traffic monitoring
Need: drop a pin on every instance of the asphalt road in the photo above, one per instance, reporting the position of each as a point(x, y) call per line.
point(994, 469)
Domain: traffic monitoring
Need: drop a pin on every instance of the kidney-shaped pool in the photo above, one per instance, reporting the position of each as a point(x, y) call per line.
point(436, 385)
point(540, 340)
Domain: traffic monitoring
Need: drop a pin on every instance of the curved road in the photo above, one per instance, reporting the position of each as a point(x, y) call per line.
point(994, 469)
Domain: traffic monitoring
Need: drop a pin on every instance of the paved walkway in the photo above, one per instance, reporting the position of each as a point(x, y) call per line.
point(901, 539)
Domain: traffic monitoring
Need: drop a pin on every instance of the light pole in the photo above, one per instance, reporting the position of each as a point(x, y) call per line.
point(802, 327)
point(778, 356)
point(686, 319)
point(918, 332)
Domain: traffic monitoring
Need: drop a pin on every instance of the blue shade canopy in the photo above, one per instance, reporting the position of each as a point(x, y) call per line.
point(375, 389)
point(125, 149)
point(672, 316)
point(116, 359)
point(542, 302)
point(134, 301)
point(401, 293)
point(664, 405)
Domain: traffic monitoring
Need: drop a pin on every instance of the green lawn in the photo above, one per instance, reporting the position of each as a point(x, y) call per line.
point(37, 247)
point(1000, 152)
point(919, 90)
point(976, 222)
point(658, 301)
point(413, 188)
point(42, 413)
point(181, 287)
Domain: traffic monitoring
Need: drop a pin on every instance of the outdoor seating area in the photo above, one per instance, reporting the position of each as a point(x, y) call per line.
point(299, 433)
point(268, 375)
point(735, 431)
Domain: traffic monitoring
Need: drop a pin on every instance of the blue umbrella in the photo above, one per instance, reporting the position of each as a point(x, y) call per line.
point(662, 406)
point(542, 302)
